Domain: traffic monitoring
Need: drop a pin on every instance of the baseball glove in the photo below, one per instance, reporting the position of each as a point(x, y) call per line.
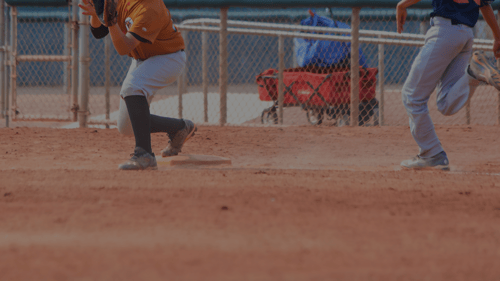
point(106, 11)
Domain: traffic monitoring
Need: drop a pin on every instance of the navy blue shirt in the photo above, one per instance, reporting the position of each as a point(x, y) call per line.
point(459, 12)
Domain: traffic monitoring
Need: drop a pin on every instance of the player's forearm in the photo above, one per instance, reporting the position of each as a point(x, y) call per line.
point(123, 44)
point(403, 4)
point(95, 22)
point(490, 19)
point(97, 28)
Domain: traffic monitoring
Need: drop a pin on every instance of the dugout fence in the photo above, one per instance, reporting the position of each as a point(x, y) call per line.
point(53, 70)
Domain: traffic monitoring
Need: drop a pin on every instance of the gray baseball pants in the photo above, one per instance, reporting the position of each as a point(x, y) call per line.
point(145, 78)
point(441, 63)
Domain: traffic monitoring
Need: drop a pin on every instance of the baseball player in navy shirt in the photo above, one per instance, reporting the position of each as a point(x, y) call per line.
point(445, 62)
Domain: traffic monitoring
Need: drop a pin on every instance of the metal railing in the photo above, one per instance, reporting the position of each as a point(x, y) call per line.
point(3, 49)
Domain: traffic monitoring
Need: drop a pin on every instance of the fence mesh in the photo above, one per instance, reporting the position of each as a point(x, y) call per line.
point(42, 86)
point(316, 92)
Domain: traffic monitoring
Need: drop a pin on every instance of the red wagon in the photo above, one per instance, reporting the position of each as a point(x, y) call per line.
point(321, 95)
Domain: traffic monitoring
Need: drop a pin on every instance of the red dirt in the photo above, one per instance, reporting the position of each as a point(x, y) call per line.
point(298, 203)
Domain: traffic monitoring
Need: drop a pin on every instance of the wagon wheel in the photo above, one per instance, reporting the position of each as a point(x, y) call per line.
point(315, 115)
point(269, 116)
point(369, 110)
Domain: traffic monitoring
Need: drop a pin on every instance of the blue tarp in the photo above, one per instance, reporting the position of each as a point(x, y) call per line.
point(323, 53)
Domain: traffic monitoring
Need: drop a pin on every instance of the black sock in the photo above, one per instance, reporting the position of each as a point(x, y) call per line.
point(160, 124)
point(138, 111)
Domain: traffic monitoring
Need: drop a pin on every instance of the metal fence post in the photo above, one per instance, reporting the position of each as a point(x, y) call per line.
point(498, 66)
point(74, 60)
point(180, 89)
point(185, 78)
point(2, 58)
point(223, 76)
point(6, 66)
point(381, 81)
point(281, 83)
point(355, 67)
point(67, 64)
point(467, 109)
point(83, 73)
point(13, 63)
point(424, 25)
point(204, 72)
point(107, 76)
point(472, 89)
point(181, 82)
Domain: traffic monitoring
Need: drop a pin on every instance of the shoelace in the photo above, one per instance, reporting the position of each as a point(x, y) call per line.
point(134, 156)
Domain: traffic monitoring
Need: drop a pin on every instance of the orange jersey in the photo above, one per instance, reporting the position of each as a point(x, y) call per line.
point(150, 22)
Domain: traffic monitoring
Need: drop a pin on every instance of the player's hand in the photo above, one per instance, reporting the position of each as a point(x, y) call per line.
point(496, 48)
point(88, 8)
point(401, 15)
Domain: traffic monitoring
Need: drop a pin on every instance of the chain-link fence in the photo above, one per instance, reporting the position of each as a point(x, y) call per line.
point(38, 61)
point(317, 92)
point(314, 89)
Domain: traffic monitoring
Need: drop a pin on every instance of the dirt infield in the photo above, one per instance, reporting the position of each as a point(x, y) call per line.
point(298, 203)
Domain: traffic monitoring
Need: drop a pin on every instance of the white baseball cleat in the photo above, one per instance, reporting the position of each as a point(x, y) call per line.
point(141, 160)
point(483, 70)
point(439, 161)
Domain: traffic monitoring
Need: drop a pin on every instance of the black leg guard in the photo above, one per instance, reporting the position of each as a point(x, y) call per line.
point(138, 111)
point(160, 124)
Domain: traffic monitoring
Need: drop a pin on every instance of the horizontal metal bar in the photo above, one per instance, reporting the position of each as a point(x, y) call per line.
point(482, 47)
point(274, 26)
point(248, 31)
point(37, 2)
point(291, 3)
point(24, 58)
point(109, 122)
point(366, 40)
point(197, 28)
point(40, 119)
point(388, 41)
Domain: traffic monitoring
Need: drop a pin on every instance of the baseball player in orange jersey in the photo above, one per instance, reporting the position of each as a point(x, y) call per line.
point(143, 30)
